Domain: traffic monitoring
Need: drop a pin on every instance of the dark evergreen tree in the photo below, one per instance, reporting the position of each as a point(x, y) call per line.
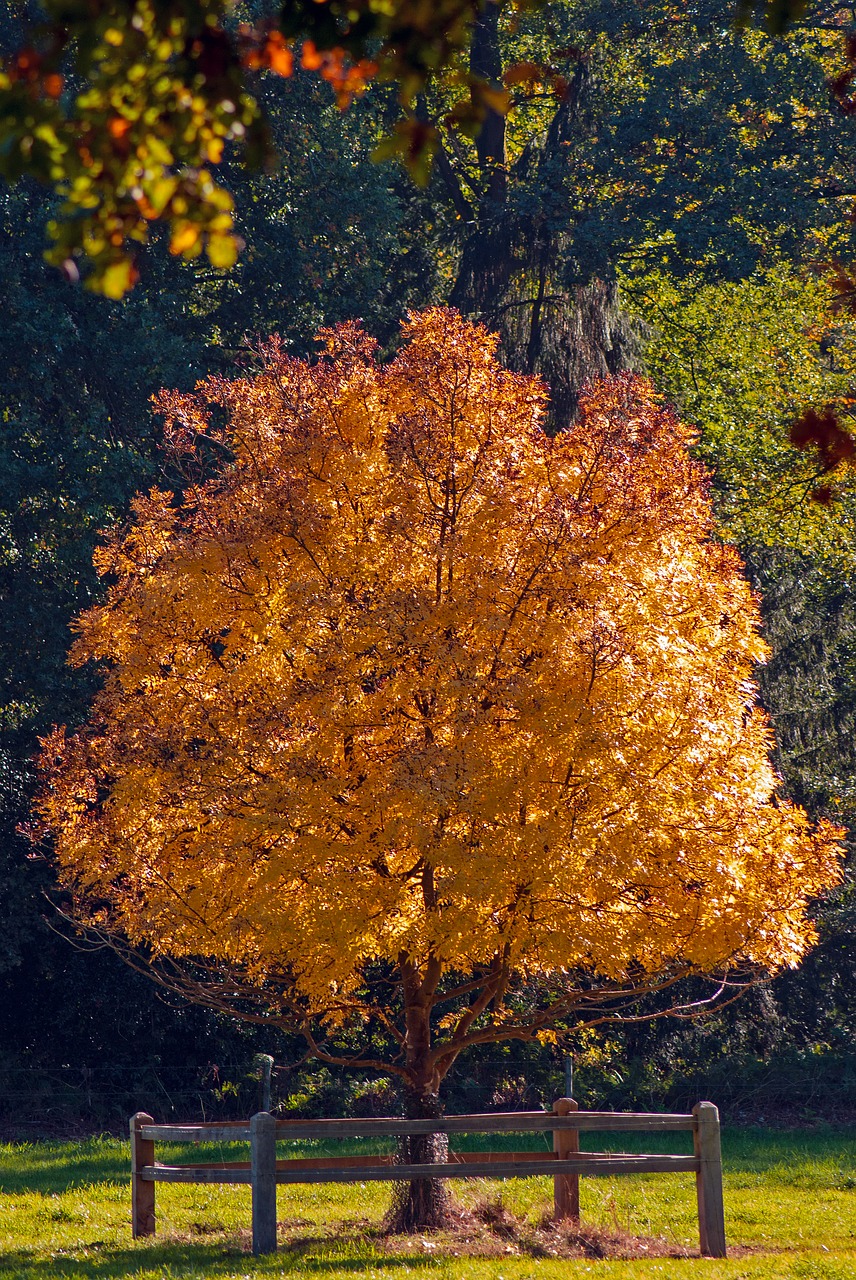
point(809, 687)
point(329, 236)
point(641, 136)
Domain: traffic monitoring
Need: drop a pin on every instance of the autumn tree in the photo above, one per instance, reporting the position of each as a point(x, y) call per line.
point(417, 720)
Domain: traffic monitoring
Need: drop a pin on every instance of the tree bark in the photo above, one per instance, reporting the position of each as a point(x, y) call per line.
point(513, 272)
point(425, 1202)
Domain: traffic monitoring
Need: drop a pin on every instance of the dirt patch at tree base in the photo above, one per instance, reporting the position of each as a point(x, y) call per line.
point(490, 1230)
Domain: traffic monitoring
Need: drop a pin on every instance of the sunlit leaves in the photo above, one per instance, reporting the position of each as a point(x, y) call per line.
point(152, 95)
point(744, 362)
point(406, 678)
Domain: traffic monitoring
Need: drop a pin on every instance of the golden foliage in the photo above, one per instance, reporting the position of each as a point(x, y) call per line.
point(407, 680)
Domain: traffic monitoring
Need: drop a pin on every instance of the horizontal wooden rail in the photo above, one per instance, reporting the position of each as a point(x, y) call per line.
point(388, 1126)
point(357, 1171)
point(196, 1132)
point(263, 1172)
point(361, 1162)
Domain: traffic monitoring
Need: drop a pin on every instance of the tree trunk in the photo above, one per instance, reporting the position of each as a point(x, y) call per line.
point(514, 272)
point(424, 1202)
point(570, 335)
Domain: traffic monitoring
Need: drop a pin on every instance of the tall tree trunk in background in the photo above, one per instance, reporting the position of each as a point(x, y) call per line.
point(513, 270)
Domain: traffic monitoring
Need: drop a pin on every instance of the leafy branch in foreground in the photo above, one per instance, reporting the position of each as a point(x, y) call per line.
point(126, 107)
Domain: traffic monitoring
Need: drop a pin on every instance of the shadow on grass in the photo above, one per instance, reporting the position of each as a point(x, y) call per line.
point(52, 1170)
point(207, 1261)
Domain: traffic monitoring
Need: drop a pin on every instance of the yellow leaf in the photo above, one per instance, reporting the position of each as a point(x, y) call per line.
point(222, 250)
point(184, 237)
point(115, 280)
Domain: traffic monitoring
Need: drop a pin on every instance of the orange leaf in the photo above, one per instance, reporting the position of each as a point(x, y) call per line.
point(310, 58)
point(278, 56)
point(523, 73)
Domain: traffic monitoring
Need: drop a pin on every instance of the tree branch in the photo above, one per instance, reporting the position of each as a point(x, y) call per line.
point(446, 170)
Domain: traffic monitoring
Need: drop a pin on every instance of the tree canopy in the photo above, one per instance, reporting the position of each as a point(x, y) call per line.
point(744, 360)
point(413, 714)
point(129, 110)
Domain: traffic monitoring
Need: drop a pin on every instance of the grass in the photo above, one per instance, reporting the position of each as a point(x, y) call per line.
point(790, 1215)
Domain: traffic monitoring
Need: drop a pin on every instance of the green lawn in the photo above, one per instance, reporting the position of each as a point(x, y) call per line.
point(790, 1212)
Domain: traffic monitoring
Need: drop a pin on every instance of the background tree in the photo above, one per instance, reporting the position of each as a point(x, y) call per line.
point(636, 137)
point(810, 690)
point(77, 439)
point(744, 360)
point(331, 234)
point(413, 717)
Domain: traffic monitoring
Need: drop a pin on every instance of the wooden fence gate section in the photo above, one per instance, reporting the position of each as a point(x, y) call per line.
point(263, 1171)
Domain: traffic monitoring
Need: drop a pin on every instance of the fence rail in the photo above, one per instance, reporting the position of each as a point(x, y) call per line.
point(263, 1171)
point(502, 1122)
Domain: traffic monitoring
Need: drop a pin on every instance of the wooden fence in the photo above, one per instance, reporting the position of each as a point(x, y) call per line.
point(565, 1162)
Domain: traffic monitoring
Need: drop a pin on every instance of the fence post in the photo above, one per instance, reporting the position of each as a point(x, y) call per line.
point(566, 1186)
point(263, 1175)
point(711, 1211)
point(264, 1062)
point(142, 1193)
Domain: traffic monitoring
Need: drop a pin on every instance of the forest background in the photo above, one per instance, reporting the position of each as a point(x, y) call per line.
point(667, 193)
